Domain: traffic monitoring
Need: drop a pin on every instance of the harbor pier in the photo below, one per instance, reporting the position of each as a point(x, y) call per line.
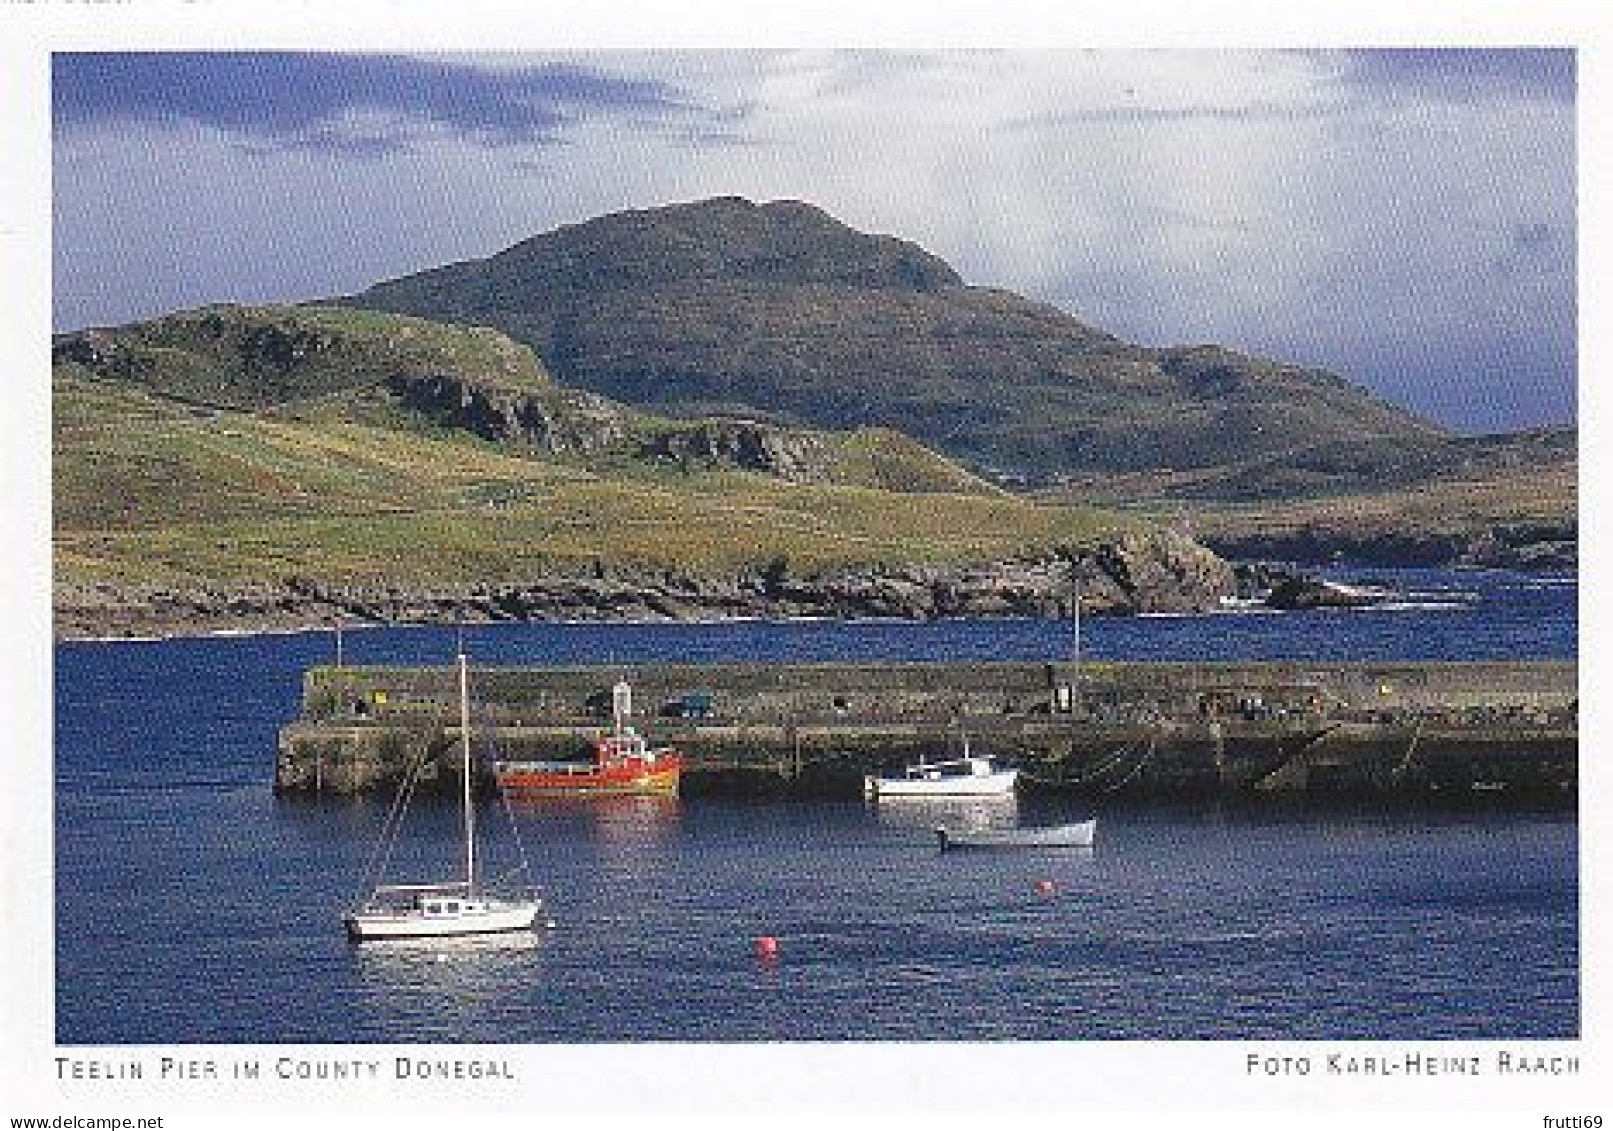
point(1099, 729)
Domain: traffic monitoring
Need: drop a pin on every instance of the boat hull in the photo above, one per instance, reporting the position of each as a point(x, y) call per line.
point(609, 781)
point(498, 917)
point(1079, 835)
point(972, 785)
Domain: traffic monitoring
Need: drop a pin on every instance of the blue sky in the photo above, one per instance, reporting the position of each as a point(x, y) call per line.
point(1405, 218)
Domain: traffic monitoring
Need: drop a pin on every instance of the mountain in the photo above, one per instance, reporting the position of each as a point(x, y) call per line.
point(779, 311)
point(778, 375)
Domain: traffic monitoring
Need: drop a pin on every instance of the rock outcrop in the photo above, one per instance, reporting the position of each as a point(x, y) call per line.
point(1527, 546)
point(1313, 593)
point(1163, 571)
point(790, 454)
point(553, 422)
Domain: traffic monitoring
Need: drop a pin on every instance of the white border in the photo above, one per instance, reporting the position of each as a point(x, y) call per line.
point(1146, 1078)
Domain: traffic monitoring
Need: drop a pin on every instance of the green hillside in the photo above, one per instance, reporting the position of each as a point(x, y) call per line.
point(259, 357)
point(1505, 500)
point(266, 443)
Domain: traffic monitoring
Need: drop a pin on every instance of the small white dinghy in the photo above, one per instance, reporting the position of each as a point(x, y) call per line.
point(1077, 835)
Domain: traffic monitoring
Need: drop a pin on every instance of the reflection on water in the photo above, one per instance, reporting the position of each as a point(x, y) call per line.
point(444, 989)
point(971, 814)
point(408, 952)
point(633, 821)
point(626, 836)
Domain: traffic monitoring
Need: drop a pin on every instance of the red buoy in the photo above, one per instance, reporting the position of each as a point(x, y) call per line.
point(1045, 887)
point(767, 947)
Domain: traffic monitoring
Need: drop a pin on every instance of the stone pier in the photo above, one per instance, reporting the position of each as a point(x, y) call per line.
point(1103, 729)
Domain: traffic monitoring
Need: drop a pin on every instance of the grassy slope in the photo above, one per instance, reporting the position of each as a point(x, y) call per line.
point(333, 364)
point(1546, 496)
point(1434, 488)
point(147, 491)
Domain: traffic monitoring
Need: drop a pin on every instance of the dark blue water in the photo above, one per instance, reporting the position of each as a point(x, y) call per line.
point(192, 906)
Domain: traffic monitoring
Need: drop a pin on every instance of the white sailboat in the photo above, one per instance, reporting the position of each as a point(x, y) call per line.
point(455, 907)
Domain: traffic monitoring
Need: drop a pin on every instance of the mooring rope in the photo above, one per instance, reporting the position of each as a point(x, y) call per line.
point(381, 855)
point(1103, 767)
point(515, 833)
point(1411, 748)
point(1153, 747)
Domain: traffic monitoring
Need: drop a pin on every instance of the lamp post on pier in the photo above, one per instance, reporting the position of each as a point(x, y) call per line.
point(1075, 622)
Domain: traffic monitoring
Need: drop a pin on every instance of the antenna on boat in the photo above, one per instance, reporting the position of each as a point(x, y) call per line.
point(621, 706)
point(1075, 634)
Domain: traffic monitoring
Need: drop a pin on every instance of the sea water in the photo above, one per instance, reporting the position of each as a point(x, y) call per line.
point(193, 906)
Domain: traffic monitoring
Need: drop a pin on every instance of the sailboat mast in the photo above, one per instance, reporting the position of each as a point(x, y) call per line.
point(1075, 622)
point(1074, 692)
point(464, 734)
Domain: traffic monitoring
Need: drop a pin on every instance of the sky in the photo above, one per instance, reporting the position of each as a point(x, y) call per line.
point(1404, 218)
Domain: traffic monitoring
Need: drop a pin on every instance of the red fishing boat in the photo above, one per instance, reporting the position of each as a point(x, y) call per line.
point(623, 763)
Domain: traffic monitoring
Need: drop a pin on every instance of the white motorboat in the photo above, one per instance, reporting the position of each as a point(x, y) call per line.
point(451, 908)
point(966, 776)
point(1077, 835)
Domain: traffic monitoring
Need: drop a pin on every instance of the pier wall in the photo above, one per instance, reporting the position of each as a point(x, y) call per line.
point(1132, 728)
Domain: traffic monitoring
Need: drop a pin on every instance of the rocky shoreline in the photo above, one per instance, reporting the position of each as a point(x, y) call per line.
point(1156, 572)
point(1521, 546)
point(1141, 573)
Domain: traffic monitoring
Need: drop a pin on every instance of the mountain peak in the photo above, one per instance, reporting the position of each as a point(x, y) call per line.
point(724, 239)
point(728, 238)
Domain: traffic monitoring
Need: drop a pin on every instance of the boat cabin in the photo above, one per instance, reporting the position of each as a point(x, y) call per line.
point(626, 746)
point(422, 899)
point(971, 767)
